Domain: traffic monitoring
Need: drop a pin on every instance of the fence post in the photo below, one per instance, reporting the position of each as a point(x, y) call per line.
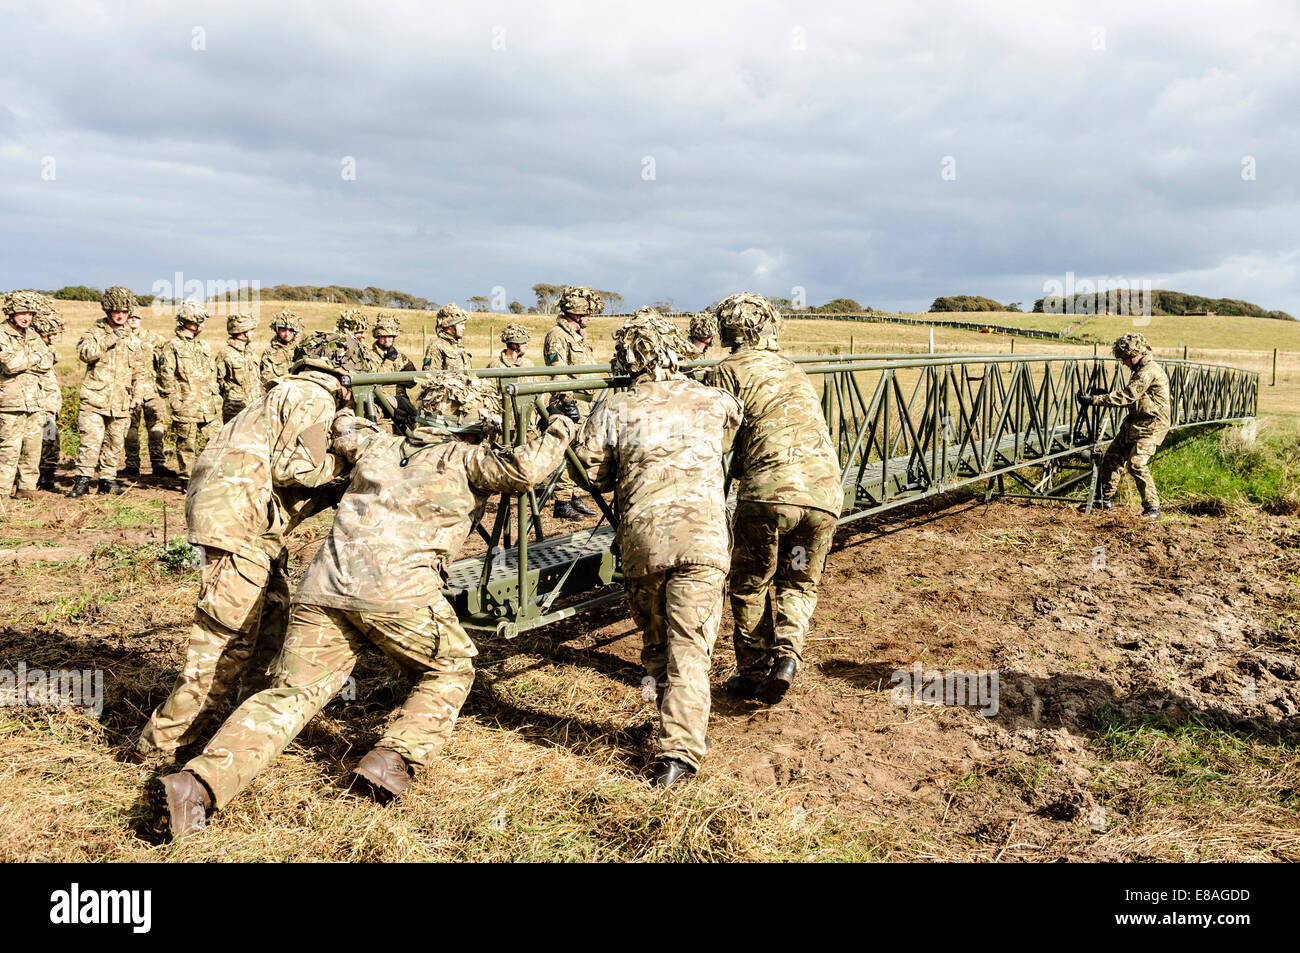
point(1274, 384)
point(1013, 345)
point(931, 340)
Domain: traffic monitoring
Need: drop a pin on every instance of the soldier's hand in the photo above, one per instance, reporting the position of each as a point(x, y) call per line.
point(570, 409)
point(391, 354)
point(1084, 398)
point(563, 425)
point(335, 489)
point(404, 414)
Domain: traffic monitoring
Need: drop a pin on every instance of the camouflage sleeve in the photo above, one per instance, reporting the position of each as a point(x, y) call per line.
point(517, 469)
point(1137, 386)
point(92, 346)
point(139, 368)
point(596, 452)
point(16, 357)
point(735, 417)
point(307, 460)
point(265, 369)
point(165, 378)
point(223, 373)
point(350, 434)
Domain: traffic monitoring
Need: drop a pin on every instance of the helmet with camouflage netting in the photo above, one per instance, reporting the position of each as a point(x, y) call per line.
point(24, 302)
point(351, 321)
point(649, 344)
point(580, 300)
point(117, 298)
point(747, 318)
point(450, 315)
point(386, 325)
point(48, 322)
point(334, 352)
point(461, 404)
point(516, 334)
point(704, 326)
point(1130, 345)
point(288, 321)
point(239, 323)
point(190, 311)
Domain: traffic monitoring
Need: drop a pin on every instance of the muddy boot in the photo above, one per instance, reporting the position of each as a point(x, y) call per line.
point(667, 771)
point(779, 682)
point(187, 802)
point(565, 510)
point(386, 772)
point(46, 482)
point(132, 472)
point(26, 495)
point(581, 507)
point(80, 488)
point(111, 487)
point(1151, 513)
point(163, 472)
point(741, 686)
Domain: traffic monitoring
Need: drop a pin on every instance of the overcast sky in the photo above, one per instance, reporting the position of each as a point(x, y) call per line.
point(888, 152)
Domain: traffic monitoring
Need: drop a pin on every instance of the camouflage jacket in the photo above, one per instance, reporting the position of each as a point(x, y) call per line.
point(379, 364)
point(406, 513)
point(114, 381)
point(504, 360)
point(147, 344)
point(1146, 396)
point(187, 378)
point(20, 366)
point(783, 452)
point(262, 473)
point(565, 346)
point(276, 361)
point(659, 446)
point(237, 377)
point(51, 395)
point(446, 354)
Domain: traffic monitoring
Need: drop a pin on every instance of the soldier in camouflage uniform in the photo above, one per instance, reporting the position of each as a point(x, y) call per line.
point(42, 443)
point(237, 376)
point(187, 380)
point(278, 356)
point(704, 327)
point(788, 501)
point(566, 344)
point(446, 352)
point(152, 409)
point(114, 383)
point(255, 481)
point(515, 337)
point(378, 581)
point(353, 321)
point(1144, 428)
point(385, 358)
point(659, 445)
point(23, 359)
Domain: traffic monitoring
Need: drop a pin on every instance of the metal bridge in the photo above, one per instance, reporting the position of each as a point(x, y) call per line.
point(904, 428)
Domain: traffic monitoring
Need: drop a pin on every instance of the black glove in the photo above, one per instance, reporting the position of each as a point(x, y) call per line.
point(1084, 398)
point(391, 354)
point(404, 414)
point(570, 409)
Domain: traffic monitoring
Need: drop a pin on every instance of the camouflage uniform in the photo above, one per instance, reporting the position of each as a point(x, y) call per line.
point(659, 445)
point(114, 383)
point(256, 480)
point(387, 325)
point(445, 352)
point(789, 495)
point(704, 327)
point(42, 442)
point(278, 356)
point(1143, 429)
point(237, 375)
point(23, 359)
point(152, 409)
point(378, 579)
point(187, 380)
point(567, 346)
point(519, 335)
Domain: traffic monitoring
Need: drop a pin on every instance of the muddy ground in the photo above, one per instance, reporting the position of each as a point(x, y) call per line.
point(1148, 706)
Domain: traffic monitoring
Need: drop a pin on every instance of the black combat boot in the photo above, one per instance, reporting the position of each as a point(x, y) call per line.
point(132, 472)
point(80, 488)
point(162, 472)
point(667, 771)
point(1151, 513)
point(187, 802)
point(565, 510)
point(111, 487)
point(581, 506)
point(46, 482)
point(386, 772)
point(779, 682)
point(742, 686)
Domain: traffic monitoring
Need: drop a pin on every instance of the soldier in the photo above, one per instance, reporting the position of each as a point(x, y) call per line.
point(187, 380)
point(446, 352)
point(152, 409)
point(255, 481)
point(566, 344)
point(278, 357)
point(1143, 429)
point(378, 580)
point(659, 445)
point(353, 322)
point(515, 337)
point(114, 383)
point(704, 326)
point(23, 358)
point(788, 501)
point(385, 358)
point(237, 375)
point(42, 444)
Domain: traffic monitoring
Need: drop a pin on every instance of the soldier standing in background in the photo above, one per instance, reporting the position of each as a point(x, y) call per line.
point(43, 444)
point(566, 344)
point(187, 380)
point(377, 581)
point(1144, 427)
point(353, 322)
point(515, 337)
point(152, 409)
point(446, 352)
point(278, 356)
point(659, 445)
point(237, 376)
point(385, 358)
point(255, 481)
point(23, 358)
point(704, 327)
point(114, 383)
point(789, 498)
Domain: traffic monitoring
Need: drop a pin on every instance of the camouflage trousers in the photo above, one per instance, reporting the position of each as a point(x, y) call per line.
point(779, 549)
point(101, 439)
point(566, 487)
point(190, 438)
point(678, 612)
point(16, 431)
point(40, 453)
point(320, 650)
point(239, 625)
point(153, 414)
point(1131, 450)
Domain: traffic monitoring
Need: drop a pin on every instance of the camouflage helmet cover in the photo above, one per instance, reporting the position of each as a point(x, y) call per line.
point(450, 315)
point(1130, 345)
point(351, 321)
point(580, 300)
point(288, 320)
point(648, 343)
point(48, 322)
point(516, 334)
point(704, 326)
point(191, 312)
point(239, 323)
point(24, 302)
point(333, 352)
point(461, 403)
point(386, 325)
point(117, 298)
point(747, 318)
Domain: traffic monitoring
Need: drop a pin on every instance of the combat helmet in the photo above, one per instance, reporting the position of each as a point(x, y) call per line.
point(516, 334)
point(117, 298)
point(704, 326)
point(239, 323)
point(450, 315)
point(459, 403)
point(386, 325)
point(648, 344)
point(580, 300)
point(333, 352)
point(287, 320)
point(746, 318)
point(24, 302)
point(351, 321)
point(1130, 345)
point(190, 311)
point(48, 322)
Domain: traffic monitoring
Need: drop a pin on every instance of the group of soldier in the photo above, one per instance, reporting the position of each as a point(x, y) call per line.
point(408, 492)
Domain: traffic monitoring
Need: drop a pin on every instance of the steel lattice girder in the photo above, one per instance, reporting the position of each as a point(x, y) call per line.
point(904, 428)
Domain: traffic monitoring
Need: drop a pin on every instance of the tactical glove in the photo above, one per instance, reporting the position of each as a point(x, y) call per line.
point(391, 353)
point(1084, 398)
point(569, 408)
point(404, 413)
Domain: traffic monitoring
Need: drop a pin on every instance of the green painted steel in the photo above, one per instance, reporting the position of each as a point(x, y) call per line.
point(905, 428)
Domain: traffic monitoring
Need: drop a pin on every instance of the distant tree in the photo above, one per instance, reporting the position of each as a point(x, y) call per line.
point(546, 296)
point(477, 303)
point(516, 307)
point(781, 304)
point(664, 307)
point(613, 301)
point(838, 306)
point(1014, 306)
point(78, 293)
point(966, 303)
